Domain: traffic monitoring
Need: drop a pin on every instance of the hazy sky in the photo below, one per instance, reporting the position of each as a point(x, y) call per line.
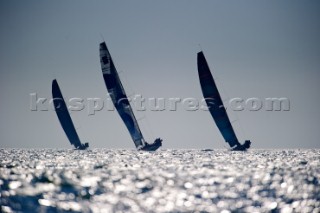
point(256, 49)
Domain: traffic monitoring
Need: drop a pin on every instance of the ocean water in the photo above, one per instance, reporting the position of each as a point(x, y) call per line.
point(103, 180)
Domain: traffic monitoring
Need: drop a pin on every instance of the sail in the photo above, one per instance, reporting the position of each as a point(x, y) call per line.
point(118, 96)
point(64, 116)
point(214, 102)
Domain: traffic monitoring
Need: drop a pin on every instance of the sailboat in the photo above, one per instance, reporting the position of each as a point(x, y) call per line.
point(64, 117)
point(216, 107)
point(120, 101)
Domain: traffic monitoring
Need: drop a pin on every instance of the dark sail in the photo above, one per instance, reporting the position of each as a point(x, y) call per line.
point(120, 100)
point(214, 102)
point(64, 117)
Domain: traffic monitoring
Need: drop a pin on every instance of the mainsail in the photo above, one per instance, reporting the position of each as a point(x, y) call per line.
point(120, 100)
point(64, 117)
point(215, 105)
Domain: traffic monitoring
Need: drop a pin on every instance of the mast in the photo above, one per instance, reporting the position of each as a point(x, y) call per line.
point(214, 102)
point(64, 117)
point(119, 97)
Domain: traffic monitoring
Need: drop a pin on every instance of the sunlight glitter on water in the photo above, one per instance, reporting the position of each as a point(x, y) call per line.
point(102, 180)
